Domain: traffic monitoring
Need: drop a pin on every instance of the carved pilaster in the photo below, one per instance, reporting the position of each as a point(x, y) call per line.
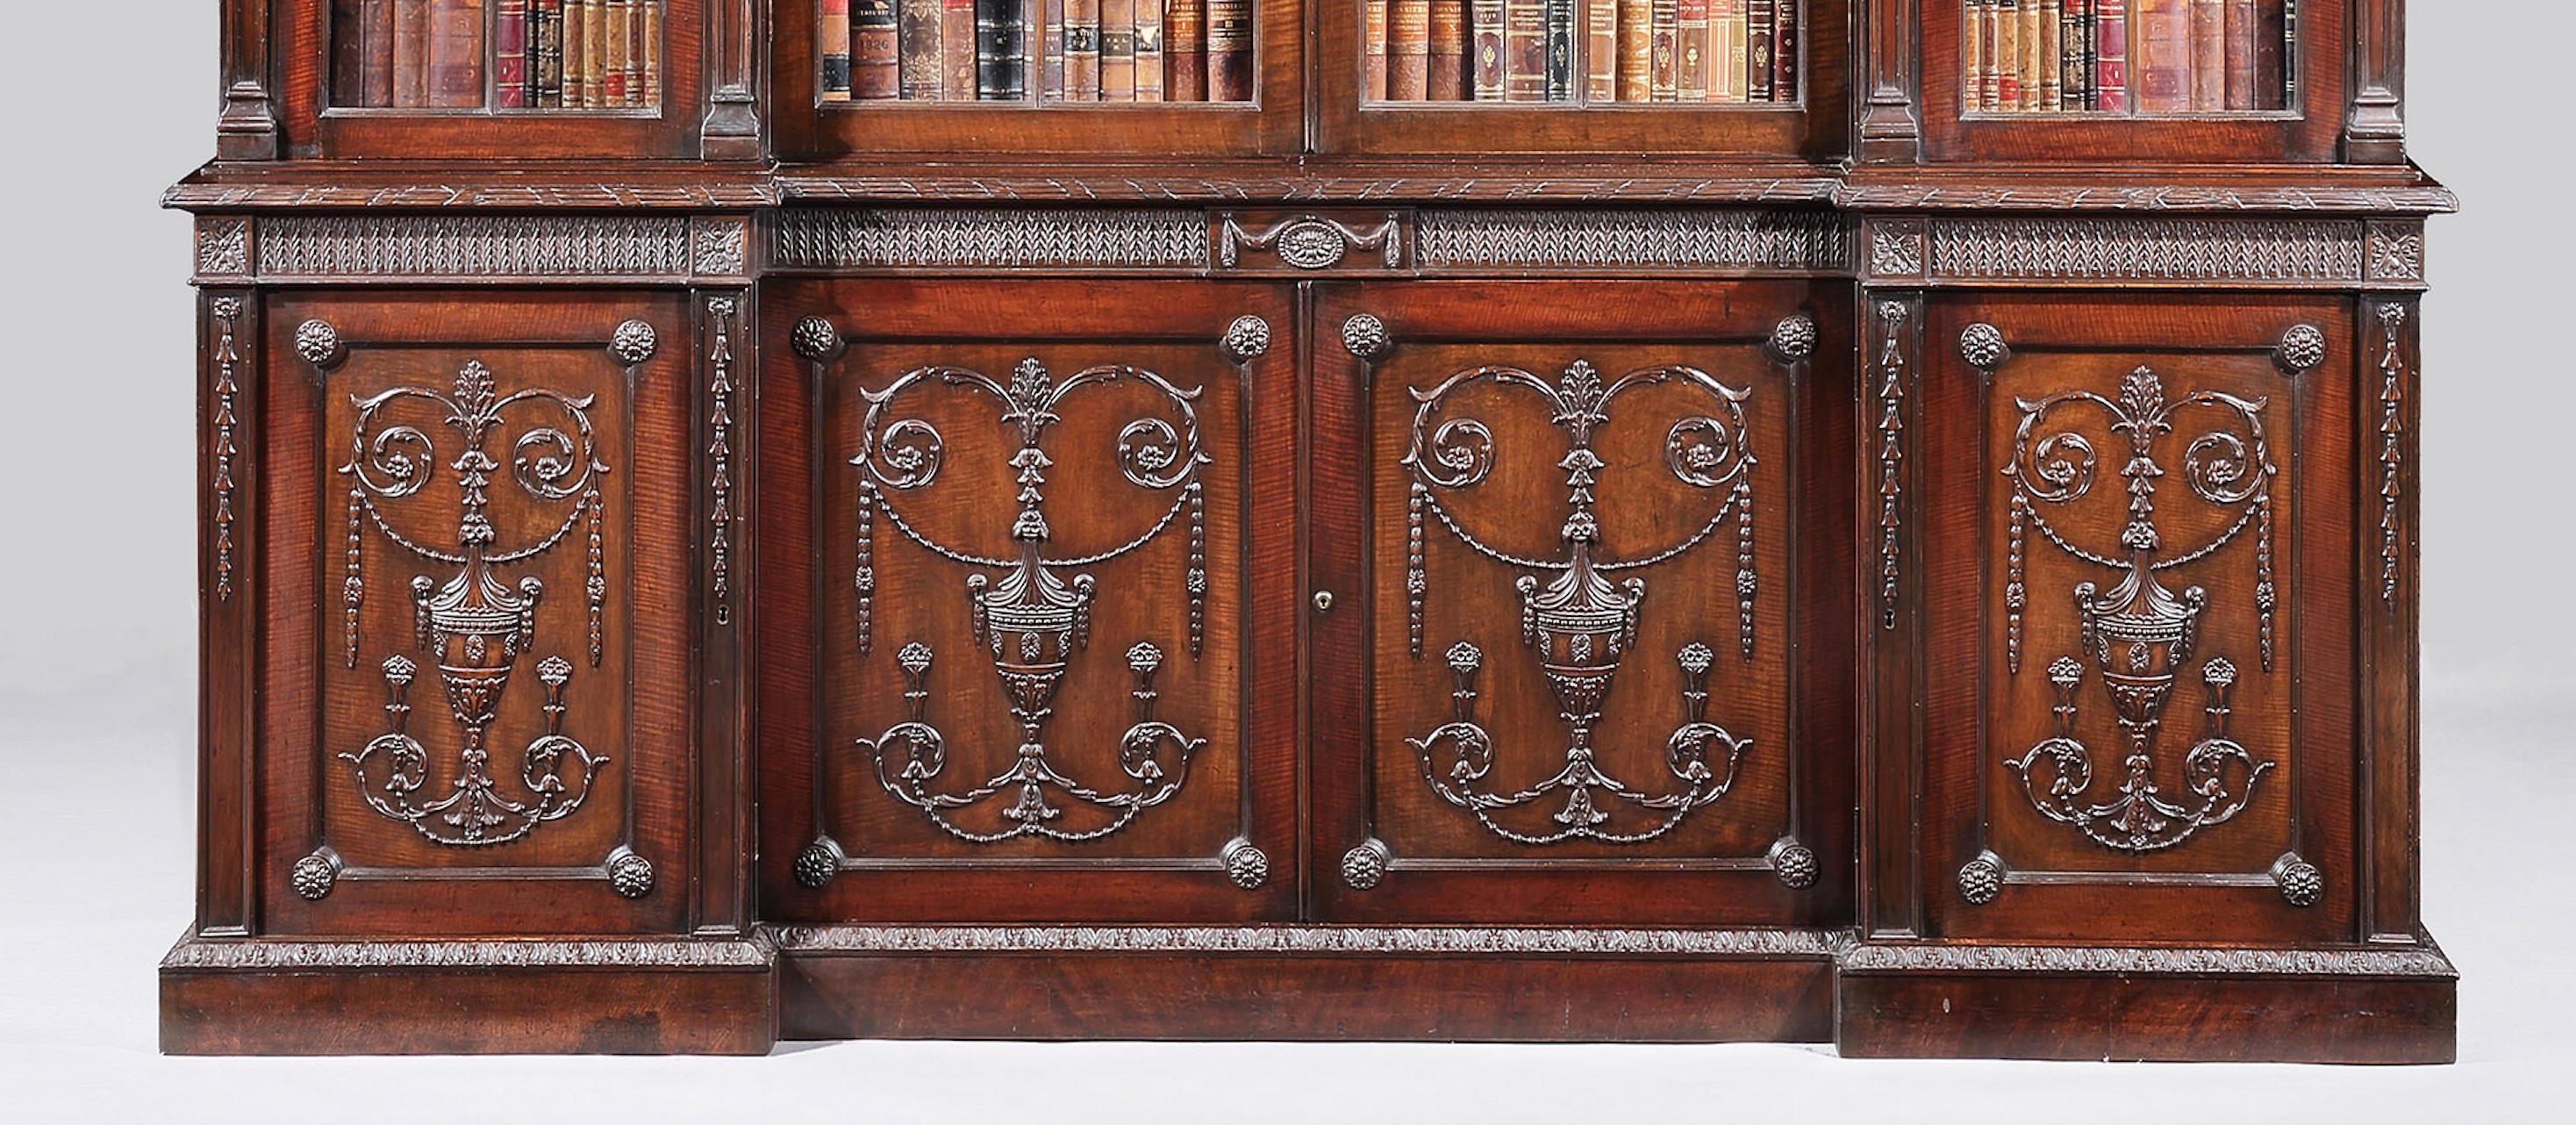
point(247, 129)
point(1890, 128)
point(2386, 465)
point(229, 586)
point(724, 445)
point(2374, 130)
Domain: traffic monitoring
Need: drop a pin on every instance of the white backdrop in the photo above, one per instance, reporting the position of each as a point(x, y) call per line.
point(97, 652)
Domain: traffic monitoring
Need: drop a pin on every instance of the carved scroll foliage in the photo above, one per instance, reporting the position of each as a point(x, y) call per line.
point(1574, 620)
point(2139, 637)
point(473, 624)
point(1030, 617)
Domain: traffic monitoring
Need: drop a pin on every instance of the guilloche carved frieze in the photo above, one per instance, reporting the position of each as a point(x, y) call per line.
point(1717, 241)
point(989, 237)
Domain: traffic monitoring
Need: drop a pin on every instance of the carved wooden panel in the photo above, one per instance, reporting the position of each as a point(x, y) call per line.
point(1566, 600)
point(459, 614)
point(1040, 685)
point(2137, 647)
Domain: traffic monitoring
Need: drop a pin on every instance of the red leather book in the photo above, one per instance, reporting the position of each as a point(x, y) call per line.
point(1784, 51)
point(1229, 50)
point(1374, 34)
point(1690, 50)
point(2242, 25)
point(510, 54)
point(1082, 50)
point(2208, 55)
point(1636, 49)
point(1149, 50)
point(2271, 55)
point(1486, 69)
point(876, 66)
point(1448, 66)
point(1185, 51)
point(1524, 50)
point(456, 54)
point(1758, 30)
point(2111, 56)
point(1408, 50)
point(2160, 55)
point(957, 50)
point(917, 62)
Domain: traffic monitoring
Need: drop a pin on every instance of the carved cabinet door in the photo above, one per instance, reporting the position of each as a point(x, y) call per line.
point(475, 536)
point(1037, 663)
point(1575, 617)
point(2134, 628)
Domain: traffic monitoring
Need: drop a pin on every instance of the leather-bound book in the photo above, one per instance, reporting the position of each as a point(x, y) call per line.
point(2208, 55)
point(1974, 32)
point(1082, 50)
point(2005, 55)
point(1758, 27)
point(957, 50)
point(1149, 50)
point(576, 29)
point(2047, 51)
point(2160, 55)
point(876, 62)
point(1485, 19)
point(1784, 51)
point(632, 61)
point(2271, 55)
point(1726, 79)
point(835, 37)
point(1448, 51)
point(999, 62)
point(1374, 33)
point(1690, 50)
point(647, 90)
point(595, 66)
point(2289, 52)
point(1560, 50)
point(2111, 56)
point(1229, 50)
point(1117, 50)
point(510, 54)
point(2029, 43)
point(411, 53)
point(2075, 56)
point(1636, 50)
point(917, 58)
point(376, 52)
point(611, 44)
point(1524, 50)
point(1046, 25)
point(1185, 51)
point(1601, 51)
point(348, 55)
point(545, 54)
point(456, 54)
point(1663, 62)
point(2241, 27)
point(1408, 50)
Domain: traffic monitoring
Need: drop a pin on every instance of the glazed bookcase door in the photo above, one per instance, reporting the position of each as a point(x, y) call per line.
point(2304, 121)
point(815, 124)
point(2140, 716)
point(1576, 589)
point(1030, 669)
point(473, 503)
point(325, 113)
point(1363, 112)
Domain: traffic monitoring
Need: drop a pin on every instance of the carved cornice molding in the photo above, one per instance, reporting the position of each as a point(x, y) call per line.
point(2180, 250)
point(536, 954)
point(433, 247)
point(2426, 962)
point(2007, 196)
point(1309, 940)
point(1718, 241)
point(203, 196)
point(990, 237)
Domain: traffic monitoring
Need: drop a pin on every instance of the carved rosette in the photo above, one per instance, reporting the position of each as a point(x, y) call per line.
point(1248, 338)
point(1794, 864)
point(1793, 339)
point(2302, 348)
point(1364, 866)
point(816, 863)
point(319, 344)
point(1365, 336)
point(314, 875)
point(1981, 879)
point(816, 339)
point(633, 343)
point(1245, 864)
point(630, 874)
point(2302, 885)
point(1982, 345)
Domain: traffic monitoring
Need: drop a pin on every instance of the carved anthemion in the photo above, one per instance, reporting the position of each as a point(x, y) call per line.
point(2141, 638)
point(474, 625)
point(1031, 613)
point(1574, 621)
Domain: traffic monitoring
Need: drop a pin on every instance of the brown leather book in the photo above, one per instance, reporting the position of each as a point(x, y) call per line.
point(648, 89)
point(594, 54)
point(1149, 50)
point(1185, 51)
point(1408, 50)
point(2208, 55)
point(611, 45)
point(1636, 50)
point(1974, 31)
point(545, 54)
point(957, 49)
point(348, 55)
point(2028, 45)
point(1373, 29)
point(1726, 78)
point(1601, 50)
point(1117, 50)
point(2242, 26)
point(1485, 19)
point(917, 62)
point(576, 27)
point(411, 53)
point(1045, 39)
point(2050, 52)
point(2160, 55)
point(1690, 50)
point(1229, 50)
point(876, 65)
point(1448, 82)
point(1082, 50)
point(2005, 55)
point(2271, 56)
point(456, 54)
point(1663, 29)
point(1784, 51)
point(1524, 50)
point(376, 52)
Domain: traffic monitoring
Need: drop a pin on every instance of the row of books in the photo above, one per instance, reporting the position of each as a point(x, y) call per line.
point(1087, 50)
point(1722, 51)
point(518, 54)
point(2130, 56)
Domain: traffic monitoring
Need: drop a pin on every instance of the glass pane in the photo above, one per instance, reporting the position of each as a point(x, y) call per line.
point(1640, 52)
point(1086, 52)
point(508, 55)
point(2158, 58)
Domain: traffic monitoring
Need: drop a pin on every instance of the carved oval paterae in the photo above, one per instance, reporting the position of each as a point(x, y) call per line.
point(1311, 244)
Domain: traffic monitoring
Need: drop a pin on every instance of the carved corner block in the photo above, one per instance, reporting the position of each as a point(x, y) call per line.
point(223, 249)
point(1896, 249)
point(721, 248)
point(2394, 258)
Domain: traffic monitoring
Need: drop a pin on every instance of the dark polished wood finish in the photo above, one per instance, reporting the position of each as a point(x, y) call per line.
point(1843, 570)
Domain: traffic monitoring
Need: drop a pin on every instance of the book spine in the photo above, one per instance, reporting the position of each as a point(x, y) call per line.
point(456, 54)
point(348, 55)
point(1185, 51)
point(1560, 50)
point(376, 52)
point(1759, 29)
point(1149, 50)
point(2030, 42)
point(594, 54)
point(411, 53)
point(576, 28)
point(1784, 51)
point(875, 63)
point(957, 50)
point(1601, 50)
point(1524, 50)
point(2241, 25)
point(631, 61)
point(546, 31)
point(617, 29)
point(1636, 70)
point(1082, 50)
point(510, 54)
point(2160, 44)
point(1375, 33)
point(2271, 55)
point(1046, 25)
point(1973, 33)
point(835, 41)
point(1448, 51)
point(1485, 19)
point(2208, 55)
point(2006, 54)
point(998, 61)
point(916, 49)
point(2075, 55)
point(1117, 50)
point(1690, 50)
point(2111, 56)
point(2289, 53)
point(1663, 60)
point(648, 87)
point(1229, 50)
point(2049, 49)
point(1408, 50)
point(1726, 81)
